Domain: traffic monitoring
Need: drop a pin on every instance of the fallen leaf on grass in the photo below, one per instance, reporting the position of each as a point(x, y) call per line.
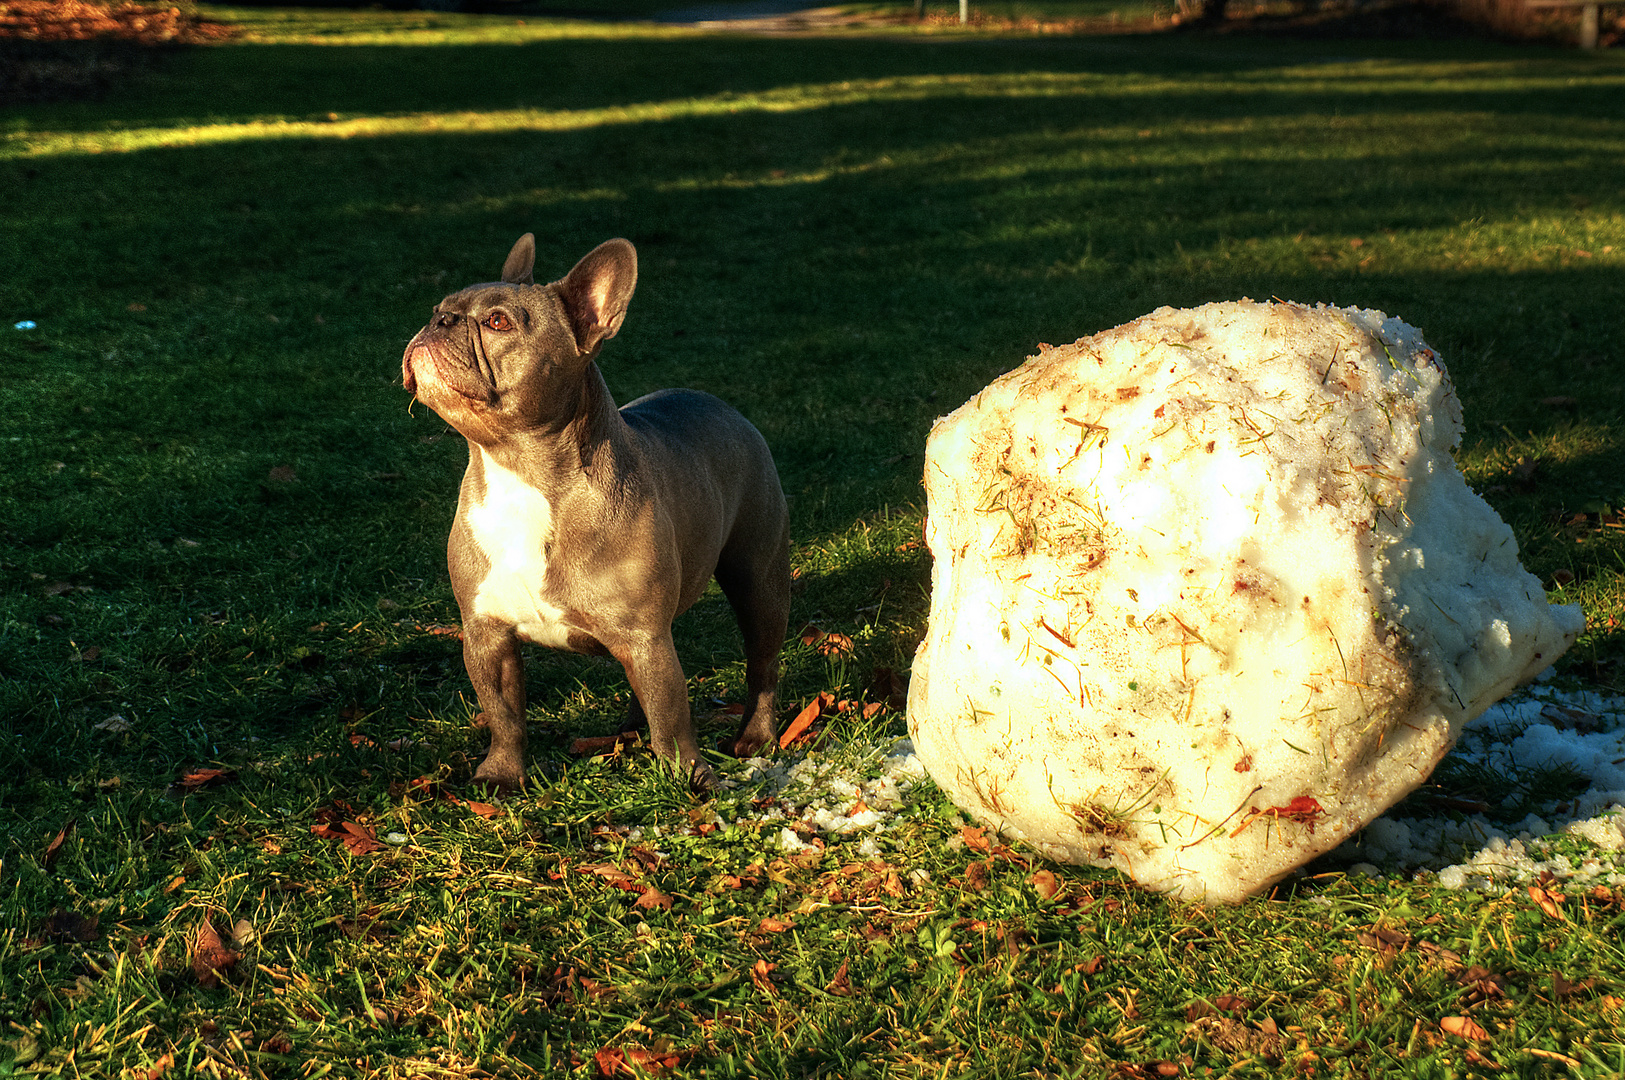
point(54, 848)
point(1563, 988)
point(1547, 902)
point(209, 954)
point(827, 642)
point(203, 778)
point(804, 719)
point(841, 984)
point(1047, 885)
point(975, 838)
point(1385, 939)
point(159, 1068)
point(652, 898)
point(604, 744)
point(1475, 1058)
point(761, 976)
point(613, 874)
point(613, 1062)
point(1463, 1027)
point(1482, 984)
point(771, 925)
point(116, 724)
point(357, 839)
point(484, 810)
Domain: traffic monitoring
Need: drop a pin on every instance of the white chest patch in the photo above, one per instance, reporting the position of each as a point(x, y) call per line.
point(513, 525)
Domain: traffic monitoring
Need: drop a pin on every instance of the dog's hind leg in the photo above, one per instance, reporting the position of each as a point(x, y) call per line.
point(758, 589)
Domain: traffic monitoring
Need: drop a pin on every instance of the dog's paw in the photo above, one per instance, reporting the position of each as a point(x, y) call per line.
point(702, 780)
point(497, 779)
point(746, 746)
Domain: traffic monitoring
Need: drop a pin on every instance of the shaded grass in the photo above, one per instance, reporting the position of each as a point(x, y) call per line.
point(221, 524)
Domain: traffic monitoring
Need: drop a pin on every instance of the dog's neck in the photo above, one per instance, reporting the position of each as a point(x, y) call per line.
point(588, 438)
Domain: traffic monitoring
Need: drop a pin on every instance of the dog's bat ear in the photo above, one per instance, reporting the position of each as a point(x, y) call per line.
point(521, 262)
point(597, 292)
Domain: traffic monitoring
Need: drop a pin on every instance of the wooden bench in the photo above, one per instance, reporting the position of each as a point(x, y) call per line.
point(1590, 16)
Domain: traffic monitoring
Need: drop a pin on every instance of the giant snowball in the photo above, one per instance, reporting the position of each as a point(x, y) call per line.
point(1210, 593)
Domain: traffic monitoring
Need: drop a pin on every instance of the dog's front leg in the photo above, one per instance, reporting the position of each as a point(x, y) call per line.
point(495, 667)
point(657, 680)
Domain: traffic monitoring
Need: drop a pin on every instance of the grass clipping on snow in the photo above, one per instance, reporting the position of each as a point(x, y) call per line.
point(1210, 594)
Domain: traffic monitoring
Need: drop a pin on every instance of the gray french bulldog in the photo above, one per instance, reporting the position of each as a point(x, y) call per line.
point(589, 528)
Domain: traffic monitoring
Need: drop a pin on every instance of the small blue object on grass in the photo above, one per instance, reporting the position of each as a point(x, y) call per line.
point(27, 324)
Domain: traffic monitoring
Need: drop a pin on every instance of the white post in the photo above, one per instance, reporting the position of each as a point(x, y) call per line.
point(964, 12)
point(1588, 25)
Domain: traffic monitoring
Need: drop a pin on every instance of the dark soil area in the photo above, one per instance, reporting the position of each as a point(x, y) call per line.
point(59, 49)
point(1411, 19)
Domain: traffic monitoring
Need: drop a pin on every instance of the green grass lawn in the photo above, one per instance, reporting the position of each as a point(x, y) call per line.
point(222, 536)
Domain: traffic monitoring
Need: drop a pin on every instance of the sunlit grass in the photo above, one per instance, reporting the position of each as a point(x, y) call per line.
point(221, 525)
point(1283, 138)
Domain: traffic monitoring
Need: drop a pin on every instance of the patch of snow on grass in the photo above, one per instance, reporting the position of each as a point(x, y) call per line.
point(1577, 837)
point(854, 790)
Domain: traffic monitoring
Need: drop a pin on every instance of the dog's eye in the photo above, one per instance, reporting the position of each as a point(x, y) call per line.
point(498, 321)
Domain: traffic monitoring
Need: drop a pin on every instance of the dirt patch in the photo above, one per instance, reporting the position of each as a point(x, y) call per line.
point(52, 50)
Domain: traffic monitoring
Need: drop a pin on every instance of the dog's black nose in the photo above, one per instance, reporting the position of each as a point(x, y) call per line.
point(445, 319)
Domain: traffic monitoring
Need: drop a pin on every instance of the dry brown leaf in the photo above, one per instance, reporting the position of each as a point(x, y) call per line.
point(614, 1062)
point(645, 857)
point(1475, 1058)
point(652, 898)
point(1547, 902)
point(761, 977)
point(975, 838)
point(357, 839)
point(194, 781)
point(771, 925)
point(841, 984)
point(484, 810)
point(611, 1062)
point(1463, 1027)
point(209, 954)
point(159, 1068)
point(54, 848)
point(835, 644)
point(1563, 988)
point(613, 874)
point(1047, 885)
point(804, 720)
point(598, 745)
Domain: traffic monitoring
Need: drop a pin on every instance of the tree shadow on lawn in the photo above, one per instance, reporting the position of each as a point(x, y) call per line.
point(238, 83)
